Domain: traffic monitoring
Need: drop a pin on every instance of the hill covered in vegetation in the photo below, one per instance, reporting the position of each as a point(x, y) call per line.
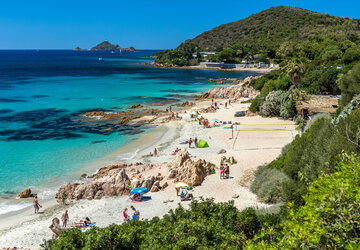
point(268, 29)
point(274, 34)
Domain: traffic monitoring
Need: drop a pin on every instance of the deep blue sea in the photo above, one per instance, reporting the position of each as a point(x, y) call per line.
point(43, 94)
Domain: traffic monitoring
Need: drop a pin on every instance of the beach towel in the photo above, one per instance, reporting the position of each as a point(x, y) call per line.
point(137, 201)
point(168, 201)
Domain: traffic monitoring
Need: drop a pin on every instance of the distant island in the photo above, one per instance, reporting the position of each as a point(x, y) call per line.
point(107, 46)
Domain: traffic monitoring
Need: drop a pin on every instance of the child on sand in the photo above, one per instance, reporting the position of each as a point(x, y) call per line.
point(63, 198)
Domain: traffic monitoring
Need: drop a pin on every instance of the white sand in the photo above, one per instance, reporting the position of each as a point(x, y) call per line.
point(256, 141)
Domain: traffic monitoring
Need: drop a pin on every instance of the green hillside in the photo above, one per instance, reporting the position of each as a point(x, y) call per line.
point(276, 33)
point(269, 28)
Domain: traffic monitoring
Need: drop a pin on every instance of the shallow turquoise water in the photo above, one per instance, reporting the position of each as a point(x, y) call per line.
point(42, 91)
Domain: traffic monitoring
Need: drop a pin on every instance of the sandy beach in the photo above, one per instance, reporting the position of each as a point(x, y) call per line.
point(255, 141)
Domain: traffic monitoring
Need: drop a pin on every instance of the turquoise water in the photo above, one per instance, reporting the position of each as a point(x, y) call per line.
point(43, 95)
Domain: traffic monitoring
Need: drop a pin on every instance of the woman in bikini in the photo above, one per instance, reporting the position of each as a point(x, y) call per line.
point(222, 171)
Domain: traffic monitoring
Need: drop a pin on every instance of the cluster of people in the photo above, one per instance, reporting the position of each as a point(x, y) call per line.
point(224, 171)
point(155, 153)
point(135, 216)
point(176, 151)
point(190, 141)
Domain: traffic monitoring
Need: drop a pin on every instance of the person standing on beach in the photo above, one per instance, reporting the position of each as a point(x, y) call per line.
point(65, 218)
point(155, 152)
point(227, 171)
point(190, 141)
point(222, 171)
point(196, 142)
point(136, 215)
point(63, 198)
point(36, 204)
point(126, 216)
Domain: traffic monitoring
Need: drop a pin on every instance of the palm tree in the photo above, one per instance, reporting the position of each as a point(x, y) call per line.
point(295, 70)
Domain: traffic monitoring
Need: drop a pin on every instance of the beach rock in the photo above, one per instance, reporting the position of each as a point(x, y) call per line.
point(26, 193)
point(232, 160)
point(114, 183)
point(165, 185)
point(193, 172)
point(136, 106)
point(83, 175)
point(235, 196)
point(172, 174)
point(222, 151)
point(233, 91)
point(155, 189)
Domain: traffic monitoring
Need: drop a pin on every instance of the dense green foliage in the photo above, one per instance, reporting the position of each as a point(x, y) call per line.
point(349, 84)
point(278, 27)
point(312, 154)
point(328, 220)
point(205, 225)
point(268, 184)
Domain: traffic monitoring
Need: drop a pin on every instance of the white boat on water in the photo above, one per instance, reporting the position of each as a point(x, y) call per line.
point(100, 59)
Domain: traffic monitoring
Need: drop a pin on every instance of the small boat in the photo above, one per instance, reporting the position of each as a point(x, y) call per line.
point(100, 58)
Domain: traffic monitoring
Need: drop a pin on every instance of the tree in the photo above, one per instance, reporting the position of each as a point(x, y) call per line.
point(295, 70)
point(349, 84)
point(227, 55)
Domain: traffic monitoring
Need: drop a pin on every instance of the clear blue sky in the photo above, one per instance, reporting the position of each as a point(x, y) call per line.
point(39, 24)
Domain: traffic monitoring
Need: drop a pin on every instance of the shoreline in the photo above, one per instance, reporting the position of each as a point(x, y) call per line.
point(251, 148)
point(254, 70)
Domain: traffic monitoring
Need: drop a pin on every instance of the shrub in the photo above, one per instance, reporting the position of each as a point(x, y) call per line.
point(256, 104)
point(349, 84)
point(272, 104)
point(267, 184)
point(205, 225)
point(329, 218)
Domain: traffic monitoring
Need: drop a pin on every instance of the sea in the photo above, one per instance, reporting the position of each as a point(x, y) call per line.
point(44, 95)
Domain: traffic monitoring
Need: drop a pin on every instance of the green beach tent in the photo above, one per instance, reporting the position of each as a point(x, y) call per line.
point(203, 144)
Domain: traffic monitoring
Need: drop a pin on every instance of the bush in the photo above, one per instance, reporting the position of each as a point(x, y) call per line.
point(267, 184)
point(349, 84)
point(205, 225)
point(257, 102)
point(272, 104)
point(329, 218)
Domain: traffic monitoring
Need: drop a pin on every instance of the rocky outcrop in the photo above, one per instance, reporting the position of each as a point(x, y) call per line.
point(26, 193)
point(222, 151)
point(136, 106)
point(185, 169)
point(120, 179)
point(115, 183)
point(234, 91)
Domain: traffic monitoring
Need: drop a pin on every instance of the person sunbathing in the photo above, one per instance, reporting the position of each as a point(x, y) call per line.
point(185, 196)
point(84, 223)
point(136, 197)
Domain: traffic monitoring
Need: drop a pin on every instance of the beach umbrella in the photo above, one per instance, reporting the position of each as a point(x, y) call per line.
point(139, 190)
point(182, 184)
point(215, 119)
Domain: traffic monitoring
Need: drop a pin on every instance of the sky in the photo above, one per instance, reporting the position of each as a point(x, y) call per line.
point(144, 24)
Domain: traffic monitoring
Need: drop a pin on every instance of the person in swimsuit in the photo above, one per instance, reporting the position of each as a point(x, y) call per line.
point(227, 171)
point(222, 171)
point(36, 204)
point(126, 216)
point(65, 218)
